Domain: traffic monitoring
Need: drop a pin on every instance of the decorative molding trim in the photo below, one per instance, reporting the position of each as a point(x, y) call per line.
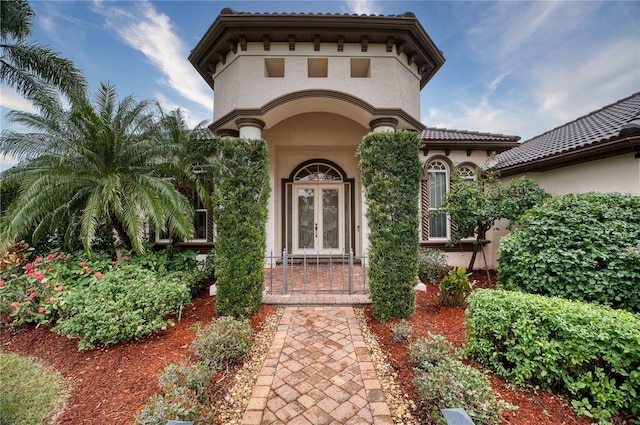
point(383, 122)
point(320, 93)
point(227, 132)
point(250, 122)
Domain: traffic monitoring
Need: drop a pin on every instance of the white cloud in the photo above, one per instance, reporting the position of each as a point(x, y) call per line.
point(168, 105)
point(609, 72)
point(11, 100)
point(152, 33)
point(362, 7)
point(6, 163)
point(545, 64)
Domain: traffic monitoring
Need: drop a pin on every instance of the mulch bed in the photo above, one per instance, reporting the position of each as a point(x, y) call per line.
point(110, 385)
point(539, 408)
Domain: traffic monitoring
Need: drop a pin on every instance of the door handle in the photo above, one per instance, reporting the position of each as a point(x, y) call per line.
point(315, 226)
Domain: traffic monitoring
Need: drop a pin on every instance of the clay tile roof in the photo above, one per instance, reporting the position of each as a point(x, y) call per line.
point(443, 138)
point(616, 121)
point(430, 134)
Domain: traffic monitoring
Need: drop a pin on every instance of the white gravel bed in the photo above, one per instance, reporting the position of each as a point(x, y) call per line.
point(235, 402)
point(400, 404)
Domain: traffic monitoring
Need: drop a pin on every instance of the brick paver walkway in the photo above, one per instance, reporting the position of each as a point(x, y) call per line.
point(318, 372)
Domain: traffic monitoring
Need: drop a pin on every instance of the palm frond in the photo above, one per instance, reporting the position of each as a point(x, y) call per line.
point(16, 20)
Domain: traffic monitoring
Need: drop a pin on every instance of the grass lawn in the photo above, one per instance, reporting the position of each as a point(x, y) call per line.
point(28, 390)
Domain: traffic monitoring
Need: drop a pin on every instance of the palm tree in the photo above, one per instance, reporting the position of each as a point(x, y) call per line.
point(97, 163)
point(32, 69)
point(195, 149)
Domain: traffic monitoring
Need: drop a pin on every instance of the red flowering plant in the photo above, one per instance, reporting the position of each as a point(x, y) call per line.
point(36, 292)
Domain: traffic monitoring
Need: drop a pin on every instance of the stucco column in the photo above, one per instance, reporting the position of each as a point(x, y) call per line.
point(250, 128)
point(383, 124)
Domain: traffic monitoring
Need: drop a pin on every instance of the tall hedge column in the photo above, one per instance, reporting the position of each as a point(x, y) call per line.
point(391, 172)
point(241, 195)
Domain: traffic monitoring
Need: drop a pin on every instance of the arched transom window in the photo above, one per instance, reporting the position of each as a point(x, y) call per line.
point(317, 172)
point(467, 173)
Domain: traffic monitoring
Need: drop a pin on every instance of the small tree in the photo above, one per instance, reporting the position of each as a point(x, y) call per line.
point(391, 171)
point(474, 206)
point(241, 194)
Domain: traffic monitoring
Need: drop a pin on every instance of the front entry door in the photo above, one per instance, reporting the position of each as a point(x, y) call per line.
point(318, 219)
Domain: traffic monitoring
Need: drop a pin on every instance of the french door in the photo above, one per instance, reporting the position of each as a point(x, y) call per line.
point(318, 218)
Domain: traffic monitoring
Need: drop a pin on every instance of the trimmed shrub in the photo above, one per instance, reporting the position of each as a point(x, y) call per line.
point(391, 172)
point(223, 341)
point(432, 264)
point(442, 381)
point(582, 247)
point(241, 195)
point(126, 303)
point(590, 352)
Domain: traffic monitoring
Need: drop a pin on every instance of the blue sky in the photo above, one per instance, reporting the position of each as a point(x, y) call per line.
point(512, 67)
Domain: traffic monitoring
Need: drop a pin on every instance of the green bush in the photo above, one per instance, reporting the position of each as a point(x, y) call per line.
point(126, 303)
point(195, 377)
point(432, 264)
point(391, 172)
point(28, 390)
point(185, 388)
point(223, 341)
point(36, 292)
point(430, 350)
point(402, 331)
point(241, 195)
point(179, 403)
point(583, 247)
point(162, 261)
point(590, 352)
point(442, 381)
point(455, 287)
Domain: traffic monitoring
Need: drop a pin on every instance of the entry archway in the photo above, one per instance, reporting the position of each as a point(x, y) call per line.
point(318, 209)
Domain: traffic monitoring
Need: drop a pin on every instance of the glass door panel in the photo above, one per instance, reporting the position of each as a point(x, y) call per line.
point(330, 219)
point(318, 221)
point(306, 218)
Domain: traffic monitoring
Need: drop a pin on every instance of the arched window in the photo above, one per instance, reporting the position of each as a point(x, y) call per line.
point(467, 173)
point(317, 172)
point(437, 187)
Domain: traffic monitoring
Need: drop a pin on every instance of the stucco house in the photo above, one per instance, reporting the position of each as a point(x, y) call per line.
point(312, 85)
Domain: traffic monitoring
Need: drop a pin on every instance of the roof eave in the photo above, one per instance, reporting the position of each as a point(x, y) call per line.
point(497, 146)
point(403, 30)
point(586, 154)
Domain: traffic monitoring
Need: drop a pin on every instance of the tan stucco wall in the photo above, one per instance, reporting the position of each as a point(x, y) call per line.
point(241, 82)
point(313, 136)
point(616, 174)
